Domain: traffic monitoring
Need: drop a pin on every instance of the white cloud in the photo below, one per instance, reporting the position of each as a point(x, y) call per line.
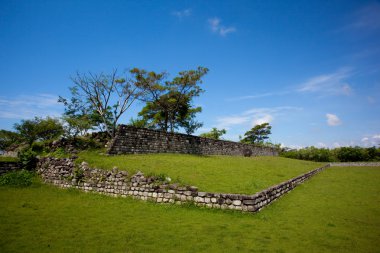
point(273, 110)
point(226, 122)
point(254, 116)
point(268, 94)
point(365, 139)
point(26, 106)
point(321, 145)
point(182, 13)
point(371, 140)
point(333, 120)
point(216, 27)
point(267, 118)
point(336, 145)
point(329, 84)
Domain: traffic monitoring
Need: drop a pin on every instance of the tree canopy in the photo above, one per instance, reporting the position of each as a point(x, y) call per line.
point(102, 97)
point(214, 133)
point(258, 134)
point(39, 129)
point(169, 103)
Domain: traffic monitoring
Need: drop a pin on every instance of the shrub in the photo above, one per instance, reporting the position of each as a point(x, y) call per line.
point(28, 159)
point(38, 147)
point(344, 154)
point(22, 178)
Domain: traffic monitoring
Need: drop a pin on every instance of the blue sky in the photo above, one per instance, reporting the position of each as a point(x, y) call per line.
point(310, 68)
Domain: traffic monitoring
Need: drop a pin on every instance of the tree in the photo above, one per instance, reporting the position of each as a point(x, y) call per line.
point(169, 103)
point(258, 134)
point(107, 95)
point(8, 138)
point(214, 133)
point(78, 116)
point(39, 129)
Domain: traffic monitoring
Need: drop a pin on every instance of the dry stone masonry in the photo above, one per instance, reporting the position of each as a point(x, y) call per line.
point(8, 166)
point(132, 140)
point(64, 173)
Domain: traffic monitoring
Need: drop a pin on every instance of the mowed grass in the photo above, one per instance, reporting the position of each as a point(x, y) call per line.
point(338, 210)
point(228, 174)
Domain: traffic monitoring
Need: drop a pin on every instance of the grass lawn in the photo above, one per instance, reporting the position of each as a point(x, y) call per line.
point(8, 159)
point(336, 211)
point(210, 173)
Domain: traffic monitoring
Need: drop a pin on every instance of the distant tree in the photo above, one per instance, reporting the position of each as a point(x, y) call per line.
point(107, 96)
point(39, 129)
point(8, 138)
point(79, 117)
point(169, 103)
point(138, 122)
point(258, 134)
point(214, 133)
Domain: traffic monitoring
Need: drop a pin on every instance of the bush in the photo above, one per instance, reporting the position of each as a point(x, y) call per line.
point(352, 154)
point(344, 154)
point(22, 178)
point(28, 159)
point(38, 147)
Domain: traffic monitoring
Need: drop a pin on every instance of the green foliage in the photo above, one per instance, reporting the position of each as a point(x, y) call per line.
point(22, 178)
point(352, 154)
point(38, 147)
point(214, 133)
point(311, 154)
point(343, 154)
point(39, 129)
point(8, 138)
point(78, 174)
point(258, 134)
point(28, 159)
point(169, 103)
point(138, 122)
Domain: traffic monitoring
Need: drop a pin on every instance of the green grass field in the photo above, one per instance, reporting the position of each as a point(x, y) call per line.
point(338, 210)
point(209, 173)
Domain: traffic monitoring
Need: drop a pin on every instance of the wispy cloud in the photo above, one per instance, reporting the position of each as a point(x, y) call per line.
point(266, 118)
point(262, 95)
point(333, 120)
point(26, 106)
point(228, 121)
point(368, 17)
point(217, 27)
point(182, 13)
point(254, 116)
point(329, 84)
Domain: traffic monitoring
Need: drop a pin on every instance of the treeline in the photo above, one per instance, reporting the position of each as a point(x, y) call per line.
point(343, 154)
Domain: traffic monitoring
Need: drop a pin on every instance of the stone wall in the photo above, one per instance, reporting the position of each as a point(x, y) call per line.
point(356, 164)
point(63, 173)
point(8, 166)
point(132, 140)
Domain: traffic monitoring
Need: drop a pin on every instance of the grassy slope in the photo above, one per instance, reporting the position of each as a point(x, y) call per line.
point(209, 173)
point(336, 211)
